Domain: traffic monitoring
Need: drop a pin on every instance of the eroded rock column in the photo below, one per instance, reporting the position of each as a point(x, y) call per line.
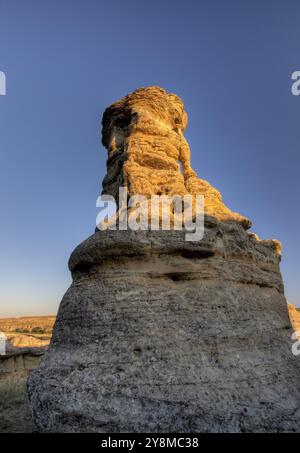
point(157, 334)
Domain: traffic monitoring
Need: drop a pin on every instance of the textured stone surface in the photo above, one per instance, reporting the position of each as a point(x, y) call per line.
point(157, 334)
point(147, 151)
point(20, 362)
point(295, 318)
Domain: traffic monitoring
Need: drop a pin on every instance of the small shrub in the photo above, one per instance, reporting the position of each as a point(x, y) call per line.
point(22, 330)
point(38, 330)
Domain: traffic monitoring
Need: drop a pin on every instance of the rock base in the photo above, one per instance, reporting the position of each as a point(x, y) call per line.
point(157, 334)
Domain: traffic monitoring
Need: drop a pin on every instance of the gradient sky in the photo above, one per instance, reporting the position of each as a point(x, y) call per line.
point(65, 61)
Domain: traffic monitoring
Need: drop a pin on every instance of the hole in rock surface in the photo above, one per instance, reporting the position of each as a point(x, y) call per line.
point(195, 254)
point(178, 276)
point(83, 267)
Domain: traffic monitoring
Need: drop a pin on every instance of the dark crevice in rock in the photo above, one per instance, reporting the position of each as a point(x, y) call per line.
point(83, 267)
point(179, 276)
point(195, 254)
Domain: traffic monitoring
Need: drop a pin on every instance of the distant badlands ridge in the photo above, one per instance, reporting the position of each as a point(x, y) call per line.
point(27, 323)
point(27, 331)
point(36, 331)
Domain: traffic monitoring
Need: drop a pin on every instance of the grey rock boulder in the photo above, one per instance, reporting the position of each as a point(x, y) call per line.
point(157, 334)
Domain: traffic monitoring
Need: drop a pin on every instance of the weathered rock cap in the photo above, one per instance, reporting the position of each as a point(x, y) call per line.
point(149, 155)
point(226, 249)
point(165, 107)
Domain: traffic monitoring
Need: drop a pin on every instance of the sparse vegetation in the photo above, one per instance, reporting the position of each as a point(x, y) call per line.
point(38, 330)
point(25, 325)
point(14, 412)
point(12, 392)
point(26, 332)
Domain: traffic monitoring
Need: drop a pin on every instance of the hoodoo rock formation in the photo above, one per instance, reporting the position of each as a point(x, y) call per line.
point(143, 134)
point(157, 334)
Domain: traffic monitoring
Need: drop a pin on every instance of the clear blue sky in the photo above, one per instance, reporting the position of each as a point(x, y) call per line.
point(65, 61)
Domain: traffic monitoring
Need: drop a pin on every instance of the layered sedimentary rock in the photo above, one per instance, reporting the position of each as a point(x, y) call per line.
point(295, 318)
point(157, 334)
point(148, 153)
point(20, 362)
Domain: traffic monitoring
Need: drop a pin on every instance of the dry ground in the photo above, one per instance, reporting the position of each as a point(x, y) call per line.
point(25, 332)
point(14, 411)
